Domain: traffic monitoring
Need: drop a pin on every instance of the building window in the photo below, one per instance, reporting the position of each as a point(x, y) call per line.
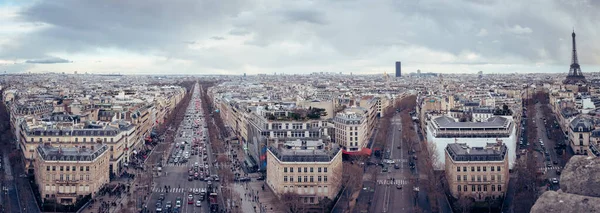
point(498, 168)
point(499, 188)
point(479, 169)
point(464, 168)
point(325, 179)
point(484, 177)
point(305, 179)
point(485, 188)
point(493, 187)
point(478, 188)
point(87, 168)
point(80, 177)
point(81, 168)
point(319, 169)
point(87, 177)
point(84, 140)
point(325, 169)
point(61, 168)
point(53, 168)
point(458, 178)
point(458, 168)
point(284, 169)
point(299, 179)
point(465, 188)
point(284, 178)
point(299, 169)
point(312, 179)
point(484, 168)
point(319, 178)
point(465, 177)
point(68, 168)
point(472, 188)
point(499, 178)
point(61, 177)
point(47, 168)
point(305, 169)
point(491, 168)
point(291, 169)
point(478, 178)
point(472, 178)
point(459, 188)
point(472, 169)
point(493, 177)
point(311, 169)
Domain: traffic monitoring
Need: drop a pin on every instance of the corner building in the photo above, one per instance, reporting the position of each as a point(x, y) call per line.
point(310, 169)
point(68, 174)
point(477, 172)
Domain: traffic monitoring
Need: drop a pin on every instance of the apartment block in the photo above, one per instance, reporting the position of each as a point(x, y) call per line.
point(67, 174)
point(310, 169)
point(477, 172)
point(353, 129)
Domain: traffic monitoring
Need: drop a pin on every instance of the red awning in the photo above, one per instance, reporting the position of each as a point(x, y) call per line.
point(363, 151)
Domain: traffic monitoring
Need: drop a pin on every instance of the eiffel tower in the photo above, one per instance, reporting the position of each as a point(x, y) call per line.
point(575, 76)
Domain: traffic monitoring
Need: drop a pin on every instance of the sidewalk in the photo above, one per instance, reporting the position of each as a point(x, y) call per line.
point(254, 197)
point(103, 203)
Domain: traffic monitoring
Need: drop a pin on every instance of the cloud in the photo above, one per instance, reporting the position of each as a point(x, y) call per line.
point(297, 36)
point(517, 29)
point(304, 15)
point(482, 32)
point(52, 60)
point(239, 32)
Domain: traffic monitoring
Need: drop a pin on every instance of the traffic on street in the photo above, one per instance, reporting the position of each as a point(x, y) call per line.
point(186, 179)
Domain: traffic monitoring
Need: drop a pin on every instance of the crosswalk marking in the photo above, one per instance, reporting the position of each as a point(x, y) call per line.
point(175, 190)
point(392, 182)
point(550, 168)
point(187, 164)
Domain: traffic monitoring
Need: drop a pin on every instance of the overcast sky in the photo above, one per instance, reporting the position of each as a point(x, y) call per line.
point(289, 36)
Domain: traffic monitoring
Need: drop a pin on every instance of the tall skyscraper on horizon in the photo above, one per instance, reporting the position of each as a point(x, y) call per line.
point(398, 69)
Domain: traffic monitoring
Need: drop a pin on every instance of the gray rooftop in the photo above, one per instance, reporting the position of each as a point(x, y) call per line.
point(462, 152)
point(585, 123)
point(305, 151)
point(51, 153)
point(493, 122)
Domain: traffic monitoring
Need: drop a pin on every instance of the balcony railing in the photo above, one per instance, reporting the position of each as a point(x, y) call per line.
point(66, 181)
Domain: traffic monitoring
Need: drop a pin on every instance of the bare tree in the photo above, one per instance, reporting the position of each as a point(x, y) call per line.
point(352, 177)
point(464, 203)
point(293, 202)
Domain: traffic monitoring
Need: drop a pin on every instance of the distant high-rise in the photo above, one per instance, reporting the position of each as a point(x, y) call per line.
point(398, 69)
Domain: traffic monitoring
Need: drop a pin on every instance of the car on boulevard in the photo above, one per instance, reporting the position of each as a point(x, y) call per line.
point(158, 207)
point(178, 202)
point(198, 203)
point(190, 199)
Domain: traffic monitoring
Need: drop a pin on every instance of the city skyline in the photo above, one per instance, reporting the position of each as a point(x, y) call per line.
point(360, 37)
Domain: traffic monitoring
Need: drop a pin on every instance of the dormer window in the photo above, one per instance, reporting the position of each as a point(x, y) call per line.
point(581, 129)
